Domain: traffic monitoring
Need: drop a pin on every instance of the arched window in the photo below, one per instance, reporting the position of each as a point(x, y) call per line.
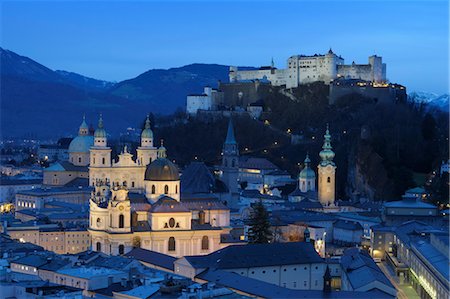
point(328, 180)
point(121, 221)
point(79, 159)
point(153, 189)
point(205, 243)
point(176, 189)
point(99, 246)
point(166, 189)
point(121, 249)
point(103, 161)
point(124, 183)
point(171, 244)
point(232, 163)
point(99, 222)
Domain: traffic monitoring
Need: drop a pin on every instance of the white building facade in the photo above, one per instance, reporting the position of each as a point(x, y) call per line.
point(303, 69)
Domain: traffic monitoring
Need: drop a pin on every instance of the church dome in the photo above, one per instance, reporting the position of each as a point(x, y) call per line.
point(147, 133)
point(81, 144)
point(100, 133)
point(307, 173)
point(162, 170)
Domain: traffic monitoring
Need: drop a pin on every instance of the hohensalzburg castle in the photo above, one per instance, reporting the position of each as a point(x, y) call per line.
point(302, 69)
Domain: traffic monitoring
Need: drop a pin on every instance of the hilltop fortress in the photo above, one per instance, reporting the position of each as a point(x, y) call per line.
point(302, 69)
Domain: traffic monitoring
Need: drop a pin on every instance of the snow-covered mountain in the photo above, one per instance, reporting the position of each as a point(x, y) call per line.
point(431, 100)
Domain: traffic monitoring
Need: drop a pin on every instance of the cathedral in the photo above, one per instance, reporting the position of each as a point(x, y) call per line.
point(139, 203)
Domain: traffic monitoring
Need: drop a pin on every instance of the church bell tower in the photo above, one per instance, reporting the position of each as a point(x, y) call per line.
point(230, 160)
point(327, 172)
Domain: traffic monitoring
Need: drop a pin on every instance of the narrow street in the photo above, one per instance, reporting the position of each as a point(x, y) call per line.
point(405, 291)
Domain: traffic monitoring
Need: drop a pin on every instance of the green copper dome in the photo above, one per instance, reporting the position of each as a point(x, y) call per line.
point(147, 132)
point(327, 153)
point(307, 173)
point(100, 132)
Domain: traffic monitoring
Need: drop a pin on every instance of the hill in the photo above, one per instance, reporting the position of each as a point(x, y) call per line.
point(166, 90)
point(37, 101)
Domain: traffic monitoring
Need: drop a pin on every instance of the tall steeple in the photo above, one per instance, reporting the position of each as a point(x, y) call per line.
point(327, 153)
point(230, 160)
point(230, 134)
point(327, 172)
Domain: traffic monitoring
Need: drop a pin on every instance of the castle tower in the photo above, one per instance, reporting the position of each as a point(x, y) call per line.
point(230, 160)
point(146, 153)
point(100, 155)
point(307, 177)
point(327, 173)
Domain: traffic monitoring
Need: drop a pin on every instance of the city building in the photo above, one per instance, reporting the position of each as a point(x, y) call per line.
point(294, 265)
point(409, 208)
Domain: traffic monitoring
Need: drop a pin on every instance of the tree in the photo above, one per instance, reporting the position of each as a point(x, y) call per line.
point(259, 231)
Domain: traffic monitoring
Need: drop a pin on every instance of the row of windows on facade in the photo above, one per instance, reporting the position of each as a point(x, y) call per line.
point(166, 189)
point(171, 245)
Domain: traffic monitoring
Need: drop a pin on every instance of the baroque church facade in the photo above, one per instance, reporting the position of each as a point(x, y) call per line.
point(139, 203)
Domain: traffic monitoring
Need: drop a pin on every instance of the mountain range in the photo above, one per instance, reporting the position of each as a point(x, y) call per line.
point(431, 100)
point(39, 102)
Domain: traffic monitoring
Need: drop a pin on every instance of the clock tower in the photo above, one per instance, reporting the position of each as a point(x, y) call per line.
point(327, 173)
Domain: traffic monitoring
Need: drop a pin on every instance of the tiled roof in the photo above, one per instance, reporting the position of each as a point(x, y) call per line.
point(347, 225)
point(256, 163)
point(152, 257)
point(257, 255)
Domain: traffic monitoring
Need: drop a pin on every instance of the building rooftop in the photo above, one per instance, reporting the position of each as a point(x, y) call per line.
point(256, 163)
point(144, 291)
point(257, 255)
point(347, 225)
point(361, 269)
point(152, 257)
point(51, 191)
point(66, 166)
point(89, 272)
point(15, 182)
point(258, 288)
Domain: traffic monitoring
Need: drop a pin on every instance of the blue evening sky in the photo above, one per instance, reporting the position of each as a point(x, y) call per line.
point(121, 39)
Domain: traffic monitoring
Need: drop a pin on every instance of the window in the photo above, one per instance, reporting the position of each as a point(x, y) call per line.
point(99, 222)
point(103, 161)
point(99, 246)
point(166, 189)
point(153, 189)
point(176, 189)
point(171, 243)
point(121, 221)
point(132, 184)
point(205, 243)
point(79, 159)
point(121, 249)
point(328, 180)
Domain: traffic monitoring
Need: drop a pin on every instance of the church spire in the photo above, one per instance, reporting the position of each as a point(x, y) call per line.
point(230, 133)
point(147, 122)
point(327, 153)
